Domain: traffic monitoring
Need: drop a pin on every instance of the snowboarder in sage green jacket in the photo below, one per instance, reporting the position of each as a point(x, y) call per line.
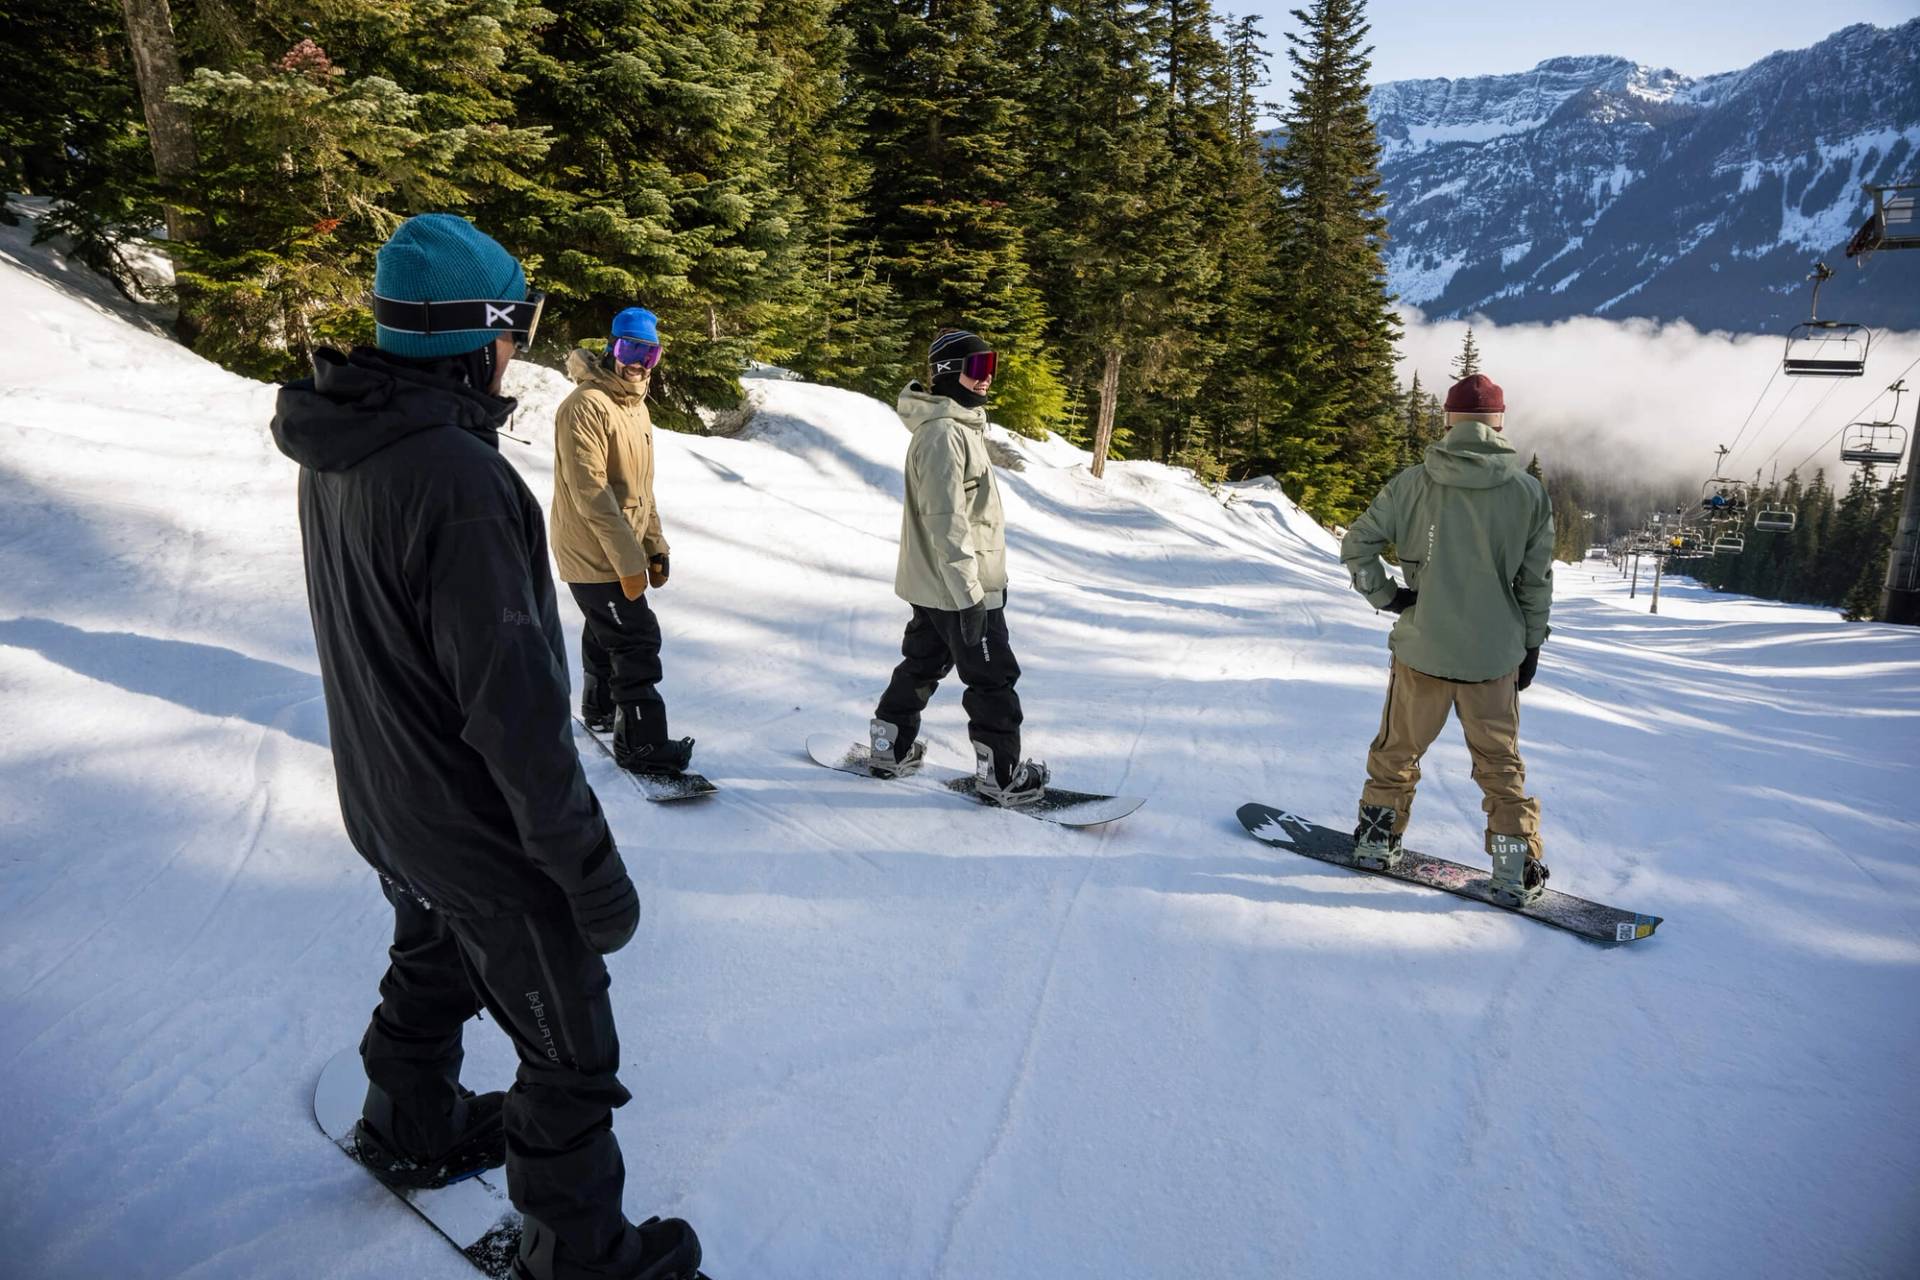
point(953, 571)
point(1474, 534)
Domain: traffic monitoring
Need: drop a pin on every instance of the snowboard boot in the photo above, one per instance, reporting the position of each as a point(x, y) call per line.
point(654, 1250)
point(883, 758)
point(596, 705)
point(1518, 878)
point(1024, 784)
point(640, 742)
point(476, 1141)
point(1375, 846)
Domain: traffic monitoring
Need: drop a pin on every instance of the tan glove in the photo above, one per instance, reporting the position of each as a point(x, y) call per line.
point(657, 570)
point(633, 588)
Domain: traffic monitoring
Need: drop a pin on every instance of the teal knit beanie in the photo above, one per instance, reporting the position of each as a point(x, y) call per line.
point(438, 257)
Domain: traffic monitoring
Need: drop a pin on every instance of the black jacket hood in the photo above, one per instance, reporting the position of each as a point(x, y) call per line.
point(356, 405)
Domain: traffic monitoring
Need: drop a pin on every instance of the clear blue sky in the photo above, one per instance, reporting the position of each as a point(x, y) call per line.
point(1419, 38)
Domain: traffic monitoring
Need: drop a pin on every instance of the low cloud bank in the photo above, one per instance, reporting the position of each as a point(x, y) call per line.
point(1617, 395)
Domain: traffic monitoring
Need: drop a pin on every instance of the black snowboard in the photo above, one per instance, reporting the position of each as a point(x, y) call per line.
point(1590, 920)
point(1058, 805)
point(657, 787)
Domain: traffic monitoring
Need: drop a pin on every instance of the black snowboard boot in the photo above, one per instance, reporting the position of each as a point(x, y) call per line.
point(596, 705)
point(1375, 846)
point(476, 1142)
point(640, 742)
point(654, 1250)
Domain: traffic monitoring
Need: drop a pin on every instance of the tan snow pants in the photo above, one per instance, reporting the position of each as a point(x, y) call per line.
point(1416, 711)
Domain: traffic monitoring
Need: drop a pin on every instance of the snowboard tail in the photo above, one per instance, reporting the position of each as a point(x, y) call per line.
point(1058, 805)
point(1591, 920)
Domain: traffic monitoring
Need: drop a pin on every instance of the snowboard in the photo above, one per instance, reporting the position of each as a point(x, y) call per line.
point(1058, 805)
point(1591, 920)
point(657, 787)
point(474, 1215)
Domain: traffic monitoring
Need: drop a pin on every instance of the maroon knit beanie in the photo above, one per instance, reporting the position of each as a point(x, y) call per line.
point(1477, 394)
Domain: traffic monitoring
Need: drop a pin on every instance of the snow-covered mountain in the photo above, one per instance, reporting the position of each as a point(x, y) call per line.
point(1596, 186)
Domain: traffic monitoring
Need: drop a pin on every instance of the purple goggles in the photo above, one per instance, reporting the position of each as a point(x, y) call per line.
point(634, 351)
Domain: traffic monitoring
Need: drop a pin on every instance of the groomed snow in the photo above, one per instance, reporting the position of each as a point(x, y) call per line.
point(874, 1034)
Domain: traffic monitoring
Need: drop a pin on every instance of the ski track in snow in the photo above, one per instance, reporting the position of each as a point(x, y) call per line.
point(871, 1031)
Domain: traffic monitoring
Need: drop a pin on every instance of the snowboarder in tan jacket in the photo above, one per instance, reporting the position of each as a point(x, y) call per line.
point(953, 572)
point(609, 545)
point(1474, 533)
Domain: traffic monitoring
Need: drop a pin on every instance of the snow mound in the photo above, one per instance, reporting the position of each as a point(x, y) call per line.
point(873, 1033)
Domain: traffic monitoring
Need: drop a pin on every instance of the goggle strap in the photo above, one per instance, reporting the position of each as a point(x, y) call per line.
point(465, 315)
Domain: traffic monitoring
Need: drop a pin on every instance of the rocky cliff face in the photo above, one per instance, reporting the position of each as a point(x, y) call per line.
point(1595, 186)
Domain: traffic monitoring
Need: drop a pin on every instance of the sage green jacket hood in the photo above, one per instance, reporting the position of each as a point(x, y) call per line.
point(953, 536)
point(1474, 533)
point(604, 522)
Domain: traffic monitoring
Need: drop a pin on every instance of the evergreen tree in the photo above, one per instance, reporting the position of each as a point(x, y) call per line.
point(1467, 363)
point(1533, 468)
point(664, 187)
point(943, 147)
point(1234, 395)
point(71, 128)
point(1330, 328)
point(307, 164)
point(1119, 230)
point(843, 327)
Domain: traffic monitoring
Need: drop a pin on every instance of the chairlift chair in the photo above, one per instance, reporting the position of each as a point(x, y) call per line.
point(1766, 521)
point(1729, 544)
point(1819, 348)
point(1894, 222)
point(1880, 444)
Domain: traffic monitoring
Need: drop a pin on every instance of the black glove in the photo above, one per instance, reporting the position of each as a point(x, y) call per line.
point(1402, 601)
point(1528, 665)
point(973, 624)
point(603, 901)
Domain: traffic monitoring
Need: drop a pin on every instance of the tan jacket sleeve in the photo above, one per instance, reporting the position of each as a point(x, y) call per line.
point(1367, 540)
point(938, 460)
point(656, 540)
point(1533, 585)
point(584, 427)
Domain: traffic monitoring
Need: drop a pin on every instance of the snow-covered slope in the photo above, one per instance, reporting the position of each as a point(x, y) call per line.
point(871, 1033)
point(1595, 186)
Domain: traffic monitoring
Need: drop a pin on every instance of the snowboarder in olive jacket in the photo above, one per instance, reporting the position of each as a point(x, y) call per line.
point(609, 545)
point(444, 673)
point(953, 571)
point(1474, 533)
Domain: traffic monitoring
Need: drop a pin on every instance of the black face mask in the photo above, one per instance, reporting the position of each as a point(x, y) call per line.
point(948, 385)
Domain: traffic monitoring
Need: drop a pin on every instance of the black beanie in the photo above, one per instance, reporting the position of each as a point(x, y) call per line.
point(947, 357)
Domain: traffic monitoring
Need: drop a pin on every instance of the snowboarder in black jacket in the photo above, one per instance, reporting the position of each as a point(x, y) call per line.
point(447, 704)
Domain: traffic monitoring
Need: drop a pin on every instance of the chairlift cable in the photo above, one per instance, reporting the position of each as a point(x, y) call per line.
point(1756, 407)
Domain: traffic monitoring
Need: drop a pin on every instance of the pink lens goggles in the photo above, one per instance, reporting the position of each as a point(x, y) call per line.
point(634, 351)
point(977, 367)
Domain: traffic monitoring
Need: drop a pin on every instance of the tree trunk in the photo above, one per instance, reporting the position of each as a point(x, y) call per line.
point(156, 66)
point(1109, 401)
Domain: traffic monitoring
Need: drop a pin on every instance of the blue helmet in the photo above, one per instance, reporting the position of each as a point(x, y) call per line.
point(637, 323)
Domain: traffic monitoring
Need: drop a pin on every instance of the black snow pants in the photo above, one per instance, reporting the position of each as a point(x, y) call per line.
point(620, 649)
point(931, 649)
point(548, 991)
